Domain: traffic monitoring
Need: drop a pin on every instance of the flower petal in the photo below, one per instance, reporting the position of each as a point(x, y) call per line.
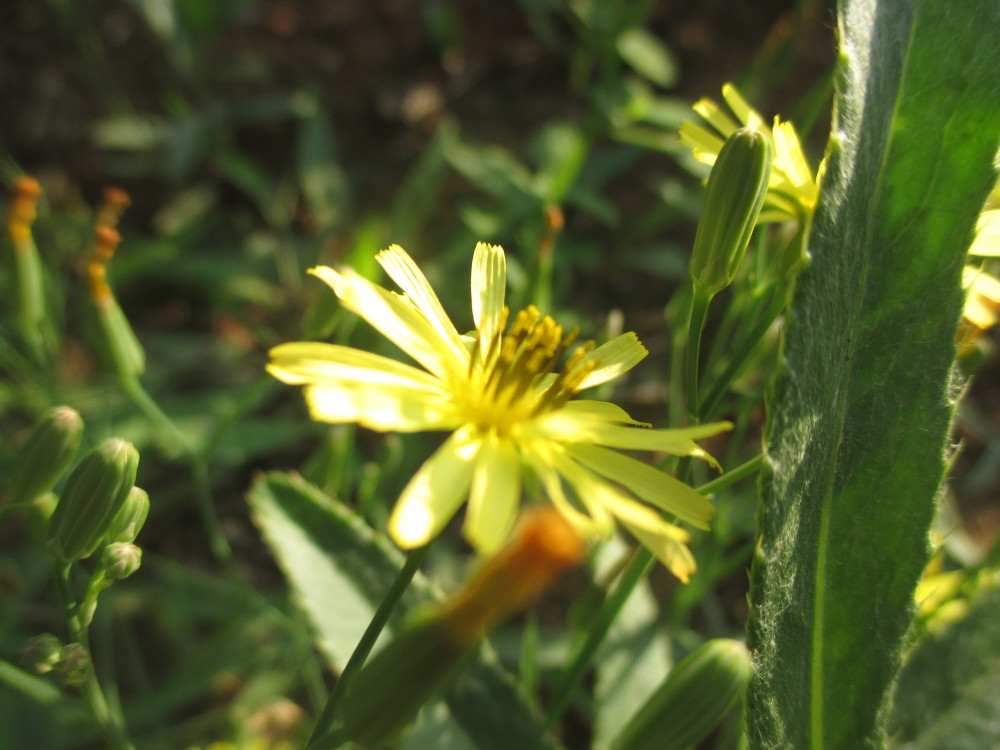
point(399, 320)
point(987, 242)
point(435, 492)
point(302, 362)
point(540, 463)
point(705, 146)
point(673, 553)
point(401, 269)
point(718, 119)
point(617, 356)
point(743, 111)
point(566, 426)
point(493, 500)
point(489, 284)
point(381, 408)
point(603, 411)
point(656, 487)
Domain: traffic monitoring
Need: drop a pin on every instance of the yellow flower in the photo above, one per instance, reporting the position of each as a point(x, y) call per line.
point(504, 394)
point(793, 190)
point(983, 288)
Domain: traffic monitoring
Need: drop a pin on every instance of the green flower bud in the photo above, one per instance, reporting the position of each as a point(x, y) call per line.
point(124, 352)
point(120, 560)
point(736, 188)
point(94, 493)
point(128, 522)
point(41, 654)
point(45, 456)
point(692, 701)
point(388, 692)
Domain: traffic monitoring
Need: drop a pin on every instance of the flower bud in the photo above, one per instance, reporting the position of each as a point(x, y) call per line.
point(692, 701)
point(737, 185)
point(387, 693)
point(94, 493)
point(120, 560)
point(74, 661)
point(45, 456)
point(128, 522)
point(41, 654)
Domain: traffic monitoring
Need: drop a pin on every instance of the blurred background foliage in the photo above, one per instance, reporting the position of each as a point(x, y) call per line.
point(258, 138)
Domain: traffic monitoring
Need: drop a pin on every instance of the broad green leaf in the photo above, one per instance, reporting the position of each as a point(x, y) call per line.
point(948, 693)
point(339, 570)
point(859, 415)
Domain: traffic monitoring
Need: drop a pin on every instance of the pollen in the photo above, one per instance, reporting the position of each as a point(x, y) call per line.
point(517, 374)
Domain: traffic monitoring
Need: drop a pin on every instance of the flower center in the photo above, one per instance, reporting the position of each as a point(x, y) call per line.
point(518, 376)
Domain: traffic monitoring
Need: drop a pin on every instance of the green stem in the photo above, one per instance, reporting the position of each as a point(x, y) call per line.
point(741, 355)
point(636, 570)
point(570, 678)
point(199, 469)
point(110, 722)
point(322, 733)
point(700, 300)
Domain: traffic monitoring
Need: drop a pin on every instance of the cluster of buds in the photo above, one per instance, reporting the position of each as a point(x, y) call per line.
point(98, 508)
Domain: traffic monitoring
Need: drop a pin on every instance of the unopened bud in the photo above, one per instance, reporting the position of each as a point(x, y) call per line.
point(695, 697)
point(737, 185)
point(94, 493)
point(120, 560)
point(41, 654)
point(128, 522)
point(45, 456)
point(74, 661)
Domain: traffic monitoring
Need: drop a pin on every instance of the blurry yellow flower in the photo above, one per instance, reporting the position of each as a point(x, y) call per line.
point(793, 190)
point(504, 393)
point(982, 300)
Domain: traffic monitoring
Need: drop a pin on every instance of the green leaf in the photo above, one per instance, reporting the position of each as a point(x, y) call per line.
point(858, 418)
point(339, 570)
point(948, 693)
point(648, 56)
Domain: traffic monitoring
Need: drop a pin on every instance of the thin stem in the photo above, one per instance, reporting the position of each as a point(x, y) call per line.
point(740, 356)
point(110, 722)
point(570, 679)
point(637, 569)
point(320, 736)
point(700, 300)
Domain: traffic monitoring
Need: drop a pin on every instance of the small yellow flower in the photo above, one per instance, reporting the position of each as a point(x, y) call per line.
point(504, 393)
point(793, 189)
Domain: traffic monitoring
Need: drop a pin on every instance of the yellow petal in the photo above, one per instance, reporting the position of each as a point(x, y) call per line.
point(381, 408)
point(603, 411)
point(656, 487)
point(489, 284)
point(494, 497)
point(704, 145)
point(399, 320)
point(718, 119)
point(435, 492)
point(617, 356)
point(401, 269)
point(569, 427)
point(313, 362)
point(743, 111)
point(674, 554)
point(987, 242)
point(540, 462)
